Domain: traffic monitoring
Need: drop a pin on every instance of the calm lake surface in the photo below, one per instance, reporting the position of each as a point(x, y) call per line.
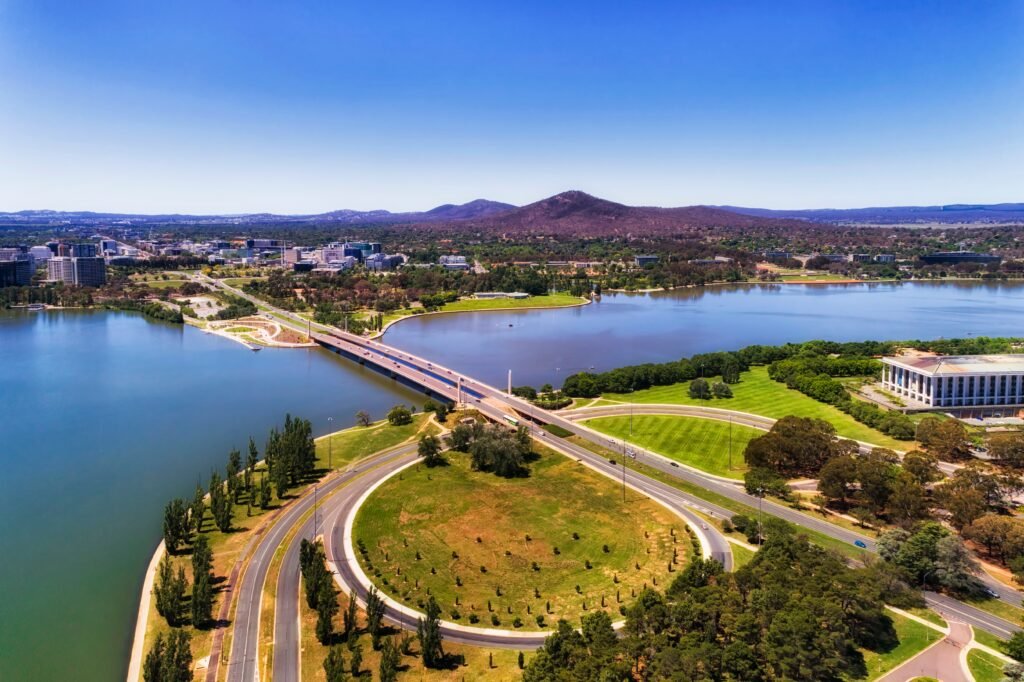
point(543, 346)
point(105, 416)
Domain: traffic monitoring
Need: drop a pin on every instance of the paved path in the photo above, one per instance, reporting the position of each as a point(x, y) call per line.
point(941, 660)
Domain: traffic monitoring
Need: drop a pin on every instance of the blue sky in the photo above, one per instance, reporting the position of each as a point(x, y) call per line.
point(304, 107)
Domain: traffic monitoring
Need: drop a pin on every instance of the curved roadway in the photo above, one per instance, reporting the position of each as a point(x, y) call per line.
point(497, 405)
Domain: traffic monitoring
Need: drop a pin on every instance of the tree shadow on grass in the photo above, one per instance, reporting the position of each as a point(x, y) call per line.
point(451, 662)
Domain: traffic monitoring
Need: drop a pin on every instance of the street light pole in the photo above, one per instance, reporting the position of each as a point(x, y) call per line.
point(330, 444)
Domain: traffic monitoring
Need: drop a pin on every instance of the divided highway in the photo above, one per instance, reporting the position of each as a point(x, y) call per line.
point(497, 405)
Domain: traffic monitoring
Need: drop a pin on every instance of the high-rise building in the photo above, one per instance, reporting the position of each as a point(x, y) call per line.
point(16, 273)
point(60, 269)
point(90, 271)
point(108, 246)
point(83, 251)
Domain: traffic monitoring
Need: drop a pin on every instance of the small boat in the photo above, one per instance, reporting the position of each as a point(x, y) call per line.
point(255, 349)
point(36, 307)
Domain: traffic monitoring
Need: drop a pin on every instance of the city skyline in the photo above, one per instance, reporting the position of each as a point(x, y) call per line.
point(224, 109)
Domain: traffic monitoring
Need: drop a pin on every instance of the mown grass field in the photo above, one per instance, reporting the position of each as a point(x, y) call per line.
point(914, 638)
point(344, 447)
point(757, 394)
point(164, 283)
point(700, 443)
point(239, 282)
point(984, 666)
point(546, 301)
point(458, 520)
point(722, 501)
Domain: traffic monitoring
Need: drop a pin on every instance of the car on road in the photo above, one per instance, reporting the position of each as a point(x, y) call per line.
point(673, 464)
point(861, 544)
point(990, 592)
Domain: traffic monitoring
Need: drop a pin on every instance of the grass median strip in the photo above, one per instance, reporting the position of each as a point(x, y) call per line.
point(714, 498)
point(757, 394)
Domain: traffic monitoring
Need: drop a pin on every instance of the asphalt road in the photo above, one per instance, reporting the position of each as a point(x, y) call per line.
point(244, 658)
point(401, 361)
point(436, 377)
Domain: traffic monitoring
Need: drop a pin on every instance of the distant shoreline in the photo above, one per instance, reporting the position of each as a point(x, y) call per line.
point(377, 335)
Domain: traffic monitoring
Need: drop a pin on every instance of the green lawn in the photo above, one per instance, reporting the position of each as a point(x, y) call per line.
point(741, 556)
point(820, 539)
point(700, 443)
point(757, 394)
point(984, 666)
point(239, 282)
point(988, 639)
point(546, 301)
point(165, 283)
point(929, 616)
point(914, 638)
point(345, 447)
point(458, 520)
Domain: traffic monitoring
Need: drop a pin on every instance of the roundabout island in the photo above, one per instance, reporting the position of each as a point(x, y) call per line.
point(515, 553)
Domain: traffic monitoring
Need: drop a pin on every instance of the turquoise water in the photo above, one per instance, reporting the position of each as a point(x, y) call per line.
point(622, 329)
point(104, 417)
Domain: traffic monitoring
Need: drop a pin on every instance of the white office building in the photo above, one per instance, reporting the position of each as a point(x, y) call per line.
point(956, 381)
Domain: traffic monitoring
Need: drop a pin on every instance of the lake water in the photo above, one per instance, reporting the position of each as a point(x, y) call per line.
point(105, 416)
point(622, 329)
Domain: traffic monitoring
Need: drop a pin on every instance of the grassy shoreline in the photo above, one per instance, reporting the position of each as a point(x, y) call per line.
point(343, 448)
point(491, 305)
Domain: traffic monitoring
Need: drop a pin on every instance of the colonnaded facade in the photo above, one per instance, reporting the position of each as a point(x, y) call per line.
point(927, 381)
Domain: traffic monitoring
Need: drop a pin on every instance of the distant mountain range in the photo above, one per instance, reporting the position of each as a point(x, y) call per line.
point(473, 209)
point(888, 215)
point(579, 213)
point(571, 212)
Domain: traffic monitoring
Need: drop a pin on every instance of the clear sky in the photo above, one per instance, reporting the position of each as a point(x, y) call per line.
point(298, 107)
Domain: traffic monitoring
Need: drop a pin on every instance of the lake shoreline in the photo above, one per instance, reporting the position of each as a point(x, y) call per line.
point(377, 335)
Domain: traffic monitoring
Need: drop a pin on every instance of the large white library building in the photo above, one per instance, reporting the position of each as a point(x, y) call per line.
point(994, 383)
